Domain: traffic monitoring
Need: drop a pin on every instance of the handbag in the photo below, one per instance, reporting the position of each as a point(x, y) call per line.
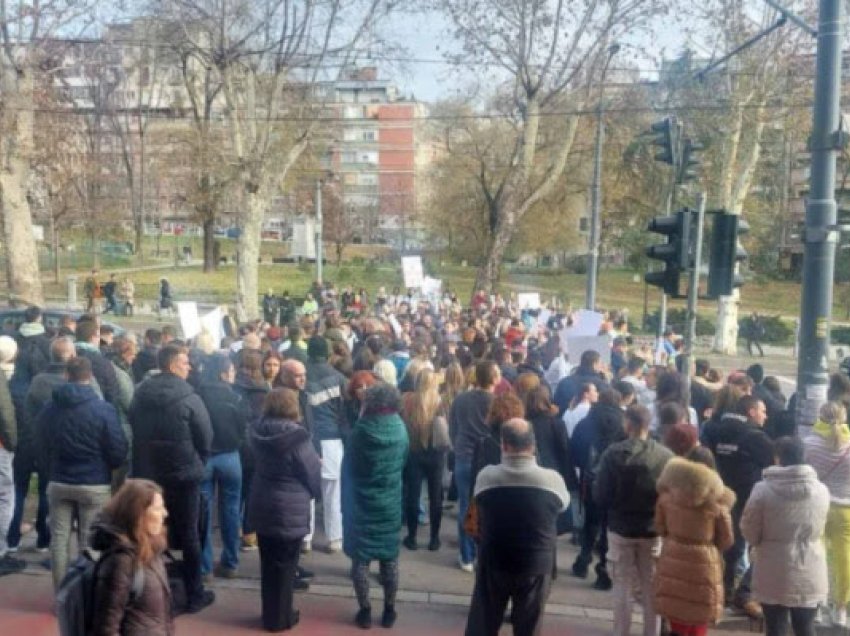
point(440, 434)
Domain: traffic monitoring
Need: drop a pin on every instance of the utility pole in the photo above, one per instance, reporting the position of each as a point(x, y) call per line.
point(693, 289)
point(319, 255)
point(596, 190)
point(821, 235)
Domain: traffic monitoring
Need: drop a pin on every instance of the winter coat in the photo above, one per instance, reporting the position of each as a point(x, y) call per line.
point(102, 370)
point(229, 416)
point(570, 385)
point(287, 475)
point(149, 614)
point(467, 422)
point(372, 487)
point(742, 451)
point(8, 422)
point(253, 394)
point(172, 434)
point(82, 436)
point(33, 355)
point(692, 515)
point(625, 485)
point(784, 522)
point(831, 464)
point(553, 448)
point(326, 388)
point(125, 398)
point(145, 361)
point(602, 427)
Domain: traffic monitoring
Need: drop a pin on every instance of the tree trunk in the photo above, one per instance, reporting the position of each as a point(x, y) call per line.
point(210, 264)
point(16, 146)
point(139, 227)
point(248, 257)
point(488, 274)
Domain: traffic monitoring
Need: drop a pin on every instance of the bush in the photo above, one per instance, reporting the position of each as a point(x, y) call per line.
point(776, 330)
point(840, 335)
point(677, 318)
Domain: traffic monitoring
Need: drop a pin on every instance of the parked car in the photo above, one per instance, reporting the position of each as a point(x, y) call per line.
point(11, 319)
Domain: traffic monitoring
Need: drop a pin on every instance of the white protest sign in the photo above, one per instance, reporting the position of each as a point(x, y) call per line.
point(212, 323)
point(586, 323)
point(411, 267)
point(543, 317)
point(190, 322)
point(431, 286)
point(528, 300)
point(577, 345)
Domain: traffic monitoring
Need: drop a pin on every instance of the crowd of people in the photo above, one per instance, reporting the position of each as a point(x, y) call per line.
point(687, 496)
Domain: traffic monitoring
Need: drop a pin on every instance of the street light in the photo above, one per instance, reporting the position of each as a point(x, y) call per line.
point(596, 201)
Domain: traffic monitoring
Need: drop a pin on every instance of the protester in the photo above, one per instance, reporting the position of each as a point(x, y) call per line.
point(625, 487)
point(8, 440)
point(373, 466)
point(122, 357)
point(130, 536)
point(588, 371)
point(88, 346)
point(518, 503)
point(580, 406)
point(33, 354)
point(784, 521)
point(146, 359)
point(286, 477)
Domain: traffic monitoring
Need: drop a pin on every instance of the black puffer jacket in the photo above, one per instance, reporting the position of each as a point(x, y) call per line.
point(287, 475)
point(145, 361)
point(228, 413)
point(83, 438)
point(253, 394)
point(149, 614)
point(33, 351)
point(172, 434)
point(102, 370)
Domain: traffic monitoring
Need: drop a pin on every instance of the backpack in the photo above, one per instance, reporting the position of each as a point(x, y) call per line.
point(75, 597)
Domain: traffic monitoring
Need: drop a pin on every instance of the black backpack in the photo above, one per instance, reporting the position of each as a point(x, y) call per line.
point(75, 597)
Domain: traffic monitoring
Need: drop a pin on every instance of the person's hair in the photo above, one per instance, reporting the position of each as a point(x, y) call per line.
point(283, 403)
point(741, 380)
point(701, 366)
point(712, 375)
point(839, 389)
point(670, 388)
point(486, 372)
point(167, 355)
point(589, 359)
point(539, 402)
point(680, 438)
point(62, 349)
point(271, 353)
point(726, 400)
point(122, 344)
point(609, 397)
point(251, 364)
point(86, 330)
point(32, 314)
point(789, 451)
point(295, 332)
point(360, 380)
point(454, 382)
point(669, 415)
point(375, 344)
point(634, 364)
point(756, 373)
point(583, 389)
point(153, 337)
point(168, 331)
point(422, 406)
point(205, 342)
point(79, 369)
point(127, 513)
point(625, 389)
point(638, 416)
point(702, 455)
point(504, 407)
point(772, 384)
point(216, 365)
point(106, 329)
point(525, 384)
point(381, 398)
point(746, 404)
point(835, 415)
point(517, 434)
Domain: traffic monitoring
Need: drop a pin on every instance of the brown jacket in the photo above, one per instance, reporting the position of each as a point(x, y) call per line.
point(114, 613)
point(692, 516)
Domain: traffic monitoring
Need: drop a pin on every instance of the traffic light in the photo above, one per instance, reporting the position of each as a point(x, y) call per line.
point(665, 134)
point(726, 253)
point(690, 162)
point(674, 254)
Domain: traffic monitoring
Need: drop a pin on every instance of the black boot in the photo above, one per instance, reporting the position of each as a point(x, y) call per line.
point(364, 618)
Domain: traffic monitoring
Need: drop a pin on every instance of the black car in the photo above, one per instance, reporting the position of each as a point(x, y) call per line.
point(11, 319)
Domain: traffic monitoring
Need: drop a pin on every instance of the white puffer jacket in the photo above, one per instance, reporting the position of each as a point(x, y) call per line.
point(784, 521)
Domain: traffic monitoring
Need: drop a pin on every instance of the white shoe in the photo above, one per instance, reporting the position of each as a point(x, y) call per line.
point(335, 546)
point(839, 616)
point(466, 567)
point(306, 547)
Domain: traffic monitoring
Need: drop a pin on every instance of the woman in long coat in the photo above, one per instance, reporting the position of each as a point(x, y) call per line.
point(692, 515)
point(372, 497)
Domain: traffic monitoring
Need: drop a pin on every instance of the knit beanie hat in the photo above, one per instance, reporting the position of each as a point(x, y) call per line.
point(8, 351)
point(317, 348)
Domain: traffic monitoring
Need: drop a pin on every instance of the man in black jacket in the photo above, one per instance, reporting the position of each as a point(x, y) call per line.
point(625, 488)
point(589, 370)
point(742, 451)
point(146, 359)
point(325, 388)
point(172, 437)
point(88, 346)
point(518, 504)
point(33, 346)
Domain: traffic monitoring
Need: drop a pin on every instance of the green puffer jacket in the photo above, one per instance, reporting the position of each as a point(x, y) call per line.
point(372, 487)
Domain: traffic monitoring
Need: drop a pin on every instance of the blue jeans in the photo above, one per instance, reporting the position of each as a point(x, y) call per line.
point(463, 479)
point(224, 472)
point(24, 467)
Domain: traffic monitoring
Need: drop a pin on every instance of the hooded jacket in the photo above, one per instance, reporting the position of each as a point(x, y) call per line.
point(831, 463)
point(149, 614)
point(229, 416)
point(325, 390)
point(33, 351)
point(692, 515)
point(172, 434)
point(83, 438)
point(742, 450)
point(287, 475)
point(784, 522)
point(625, 485)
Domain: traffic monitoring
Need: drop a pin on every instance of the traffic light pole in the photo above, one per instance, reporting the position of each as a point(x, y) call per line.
point(693, 289)
point(820, 233)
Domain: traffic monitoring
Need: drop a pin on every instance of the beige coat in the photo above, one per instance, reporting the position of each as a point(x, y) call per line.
point(692, 516)
point(784, 521)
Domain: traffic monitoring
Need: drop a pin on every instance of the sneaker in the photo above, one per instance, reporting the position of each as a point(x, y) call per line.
point(42, 549)
point(335, 546)
point(306, 547)
point(603, 582)
point(466, 567)
point(579, 569)
point(410, 543)
point(751, 608)
point(206, 599)
point(12, 549)
point(434, 544)
point(301, 573)
point(302, 585)
point(222, 572)
point(389, 616)
point(363, 620)
point(249, 542)
point(11, 565)
point(839, 616)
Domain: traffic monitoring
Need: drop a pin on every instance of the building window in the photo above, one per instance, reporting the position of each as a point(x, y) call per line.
point(369, 135)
